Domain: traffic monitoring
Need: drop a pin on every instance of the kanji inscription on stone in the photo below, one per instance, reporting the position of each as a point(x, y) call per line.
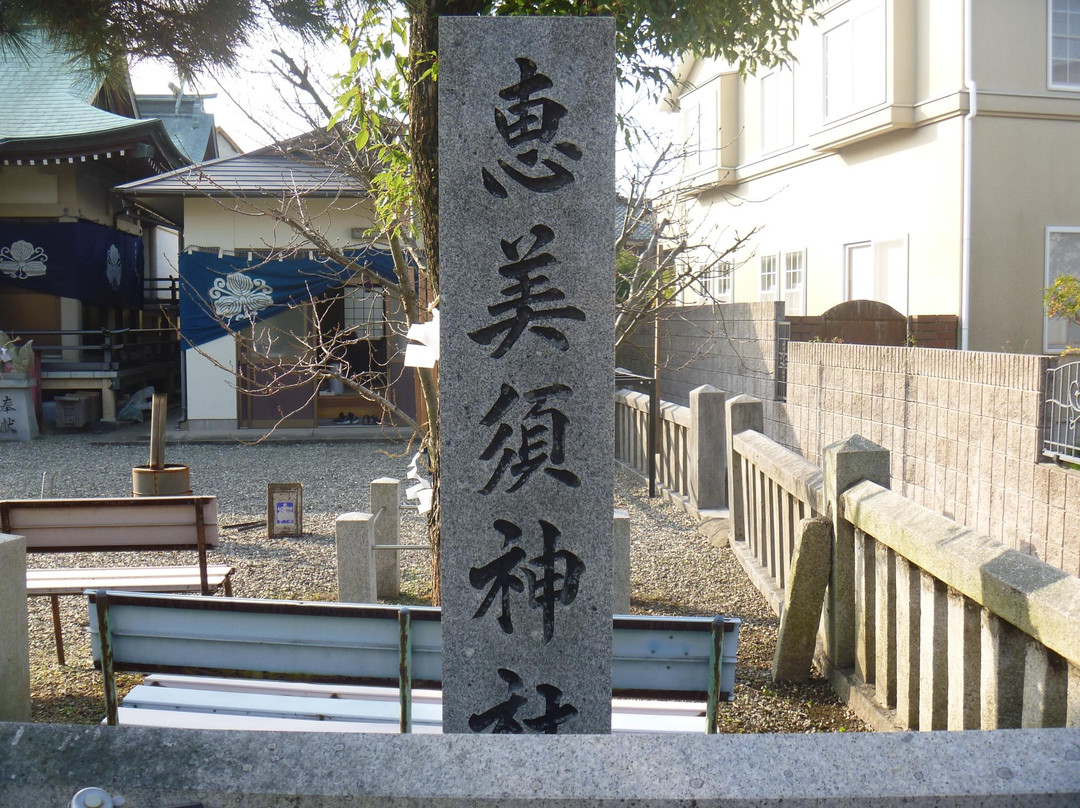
point(526, 372)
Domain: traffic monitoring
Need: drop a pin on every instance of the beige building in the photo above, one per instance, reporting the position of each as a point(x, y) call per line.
point(923, 153)
point(255, 292)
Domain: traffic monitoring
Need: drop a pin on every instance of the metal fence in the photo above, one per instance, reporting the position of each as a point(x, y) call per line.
point(783, 337)
point(1061, 431)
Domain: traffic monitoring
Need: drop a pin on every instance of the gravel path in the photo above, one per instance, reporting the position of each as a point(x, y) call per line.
point(675, 571)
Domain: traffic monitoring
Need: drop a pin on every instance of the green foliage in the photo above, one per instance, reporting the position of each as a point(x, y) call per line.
point(650, 33)
point(1062, 298)
point(192, 34)
point(625, 266)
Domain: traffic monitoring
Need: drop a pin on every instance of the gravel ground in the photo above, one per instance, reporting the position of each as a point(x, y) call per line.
point(674, 571)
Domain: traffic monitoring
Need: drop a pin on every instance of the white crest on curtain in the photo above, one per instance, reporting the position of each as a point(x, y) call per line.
point(238, 296)
point(22, 260)
point(113, 270)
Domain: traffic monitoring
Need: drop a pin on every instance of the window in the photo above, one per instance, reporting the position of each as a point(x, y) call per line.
point(364, 312)
point(768, 277)
point(702, 129)
point(854, 57)
point(723, 282)
point(1065, 44)
point(777, 120)
point(795, 283)
point(877, 270)
point(1062, 258)
point(717, 282)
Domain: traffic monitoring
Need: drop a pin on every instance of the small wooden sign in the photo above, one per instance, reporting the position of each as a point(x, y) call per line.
point(284, 509)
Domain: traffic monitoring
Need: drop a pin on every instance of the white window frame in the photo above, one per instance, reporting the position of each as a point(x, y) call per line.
point(777, 110)
point(703, 128)
point(851, 91)
point(797, 288)
point(768, 291)
point(717, 282)
point(1048, 278)
point(876, 246)
point(1070, 42)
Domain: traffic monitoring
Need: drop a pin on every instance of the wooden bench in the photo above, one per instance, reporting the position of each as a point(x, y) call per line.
point(126, 524)
point(368, 659)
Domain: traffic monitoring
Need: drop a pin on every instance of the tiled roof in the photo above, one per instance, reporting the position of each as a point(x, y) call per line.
point(190, 128)
point(255, 174)
point(48, 95)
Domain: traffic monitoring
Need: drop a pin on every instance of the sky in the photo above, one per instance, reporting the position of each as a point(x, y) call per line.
point(251, 93)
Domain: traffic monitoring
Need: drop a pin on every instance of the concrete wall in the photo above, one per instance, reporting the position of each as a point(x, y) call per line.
point(963, 429)
point(731, 347)
point(47, 764)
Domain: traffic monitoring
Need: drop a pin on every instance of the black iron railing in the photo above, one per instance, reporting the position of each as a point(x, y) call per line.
point(101, 349)
point(1061, 428)
point(783, 337)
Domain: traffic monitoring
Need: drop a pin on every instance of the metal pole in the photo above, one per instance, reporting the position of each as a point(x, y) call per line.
point(716, 662)
point(405, 668)
point(654, 428)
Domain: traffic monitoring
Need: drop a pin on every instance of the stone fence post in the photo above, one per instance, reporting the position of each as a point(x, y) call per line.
point(620, 585)
point(385, 500)
point(743, 413)
point(707, 449)
point(356, 557)
point(847, 463)
point(14, 631)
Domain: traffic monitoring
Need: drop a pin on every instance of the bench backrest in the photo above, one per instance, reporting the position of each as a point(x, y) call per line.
point(679, 658)
point(103, 524)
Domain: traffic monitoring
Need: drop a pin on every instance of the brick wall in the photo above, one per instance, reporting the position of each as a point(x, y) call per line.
point(963, 429)
point(934, 330)
point(925, 330)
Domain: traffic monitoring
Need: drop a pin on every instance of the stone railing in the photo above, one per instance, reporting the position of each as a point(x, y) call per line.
point(927, 624)
point(771, 490)
point(691, 458)
point(953, 630)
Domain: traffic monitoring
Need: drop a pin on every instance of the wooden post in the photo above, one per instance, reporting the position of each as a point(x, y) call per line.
point(157, 430)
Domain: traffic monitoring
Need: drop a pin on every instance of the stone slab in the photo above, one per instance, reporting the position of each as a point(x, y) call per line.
point(385, 498)
point(355, 537)
point(14, 628)
point(620, 587)
point(715, 527)
point(804, 598)
point(46, 764)
point(17, 418)
point(526, 373)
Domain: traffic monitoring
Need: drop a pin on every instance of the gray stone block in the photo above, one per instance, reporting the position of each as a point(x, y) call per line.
point(385, 494)
point(803, 600)
point(715, 529)
point(44, 765)
point(355, 557)
point(14, 627)
point(526, 371)
point(707, 448)
point(620, 589)
point(743, 413)
point(847, 463)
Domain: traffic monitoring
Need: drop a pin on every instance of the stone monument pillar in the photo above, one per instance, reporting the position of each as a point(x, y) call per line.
point(526, 212)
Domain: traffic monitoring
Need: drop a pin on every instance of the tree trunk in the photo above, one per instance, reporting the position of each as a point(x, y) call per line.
point(424, 148)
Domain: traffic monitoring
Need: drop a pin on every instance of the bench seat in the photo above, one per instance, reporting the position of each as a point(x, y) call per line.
point(214, 703)
point(76, 580)
point(116, 524)
point(292, 665)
